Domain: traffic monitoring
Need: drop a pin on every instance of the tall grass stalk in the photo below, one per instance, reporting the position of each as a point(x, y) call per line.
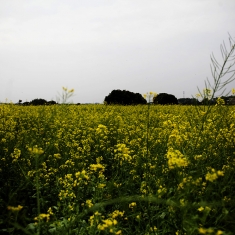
point(222, 74)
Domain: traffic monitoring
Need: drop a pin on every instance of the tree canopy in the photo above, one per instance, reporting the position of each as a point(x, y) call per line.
point(124, 98)
point(164, 98)
point(36, 102)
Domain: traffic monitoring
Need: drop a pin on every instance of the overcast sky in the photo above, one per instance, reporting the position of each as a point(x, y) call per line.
point(96, 46)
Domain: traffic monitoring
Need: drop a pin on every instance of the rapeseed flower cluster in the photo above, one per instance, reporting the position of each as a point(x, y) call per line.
point(176, 159)
point(42, 217)
point(15, 209)
point(16, 154)
point(213, 175)
point(36, 150)
point(220, 101)
point(122, 153)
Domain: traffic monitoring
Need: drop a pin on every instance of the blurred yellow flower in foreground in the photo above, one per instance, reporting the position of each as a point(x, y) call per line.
point(200, 208)
point(14, 209)
point(42, 216)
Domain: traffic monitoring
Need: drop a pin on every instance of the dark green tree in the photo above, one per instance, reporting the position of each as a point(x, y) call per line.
point(26, 103)
point(38, 102)
point(52, 102)
point(164, 98)
point(188, 101)
point(124, 98)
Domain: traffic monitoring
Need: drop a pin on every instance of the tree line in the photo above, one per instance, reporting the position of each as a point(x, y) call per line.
point(124, 97)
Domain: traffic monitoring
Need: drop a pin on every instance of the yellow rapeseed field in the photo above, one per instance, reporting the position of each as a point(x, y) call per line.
point(98, 169)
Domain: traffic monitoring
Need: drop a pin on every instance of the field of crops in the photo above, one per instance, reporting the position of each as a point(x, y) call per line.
point(97, 169)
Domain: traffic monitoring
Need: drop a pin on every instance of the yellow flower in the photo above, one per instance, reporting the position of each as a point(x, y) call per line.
point(107, 223)
point(233, 91)
point(206, 230)
point(57, 155)
point(220, 173)
point(200, 208)
point(14, 209)
point(16, 154)
point(211, 176)
point(43, 216)
point(89, 203)
point(96, 167)
point(176, 159)
point(132, 205)
point(117, 213)
point(101, 185)
point(207, 93)
point(219, 232)
point(154, 94)
point(50, 211)
point(220, 101)
point(35, 150)
point(101, 227)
